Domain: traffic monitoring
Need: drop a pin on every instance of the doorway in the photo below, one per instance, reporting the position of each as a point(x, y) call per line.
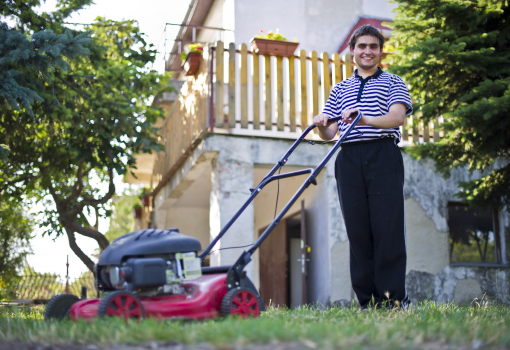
point(283, 263)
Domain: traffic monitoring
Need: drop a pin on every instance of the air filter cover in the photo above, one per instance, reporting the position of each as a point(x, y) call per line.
point(148, 242)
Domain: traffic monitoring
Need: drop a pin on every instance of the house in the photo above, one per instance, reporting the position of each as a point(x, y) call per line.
point(239, 113)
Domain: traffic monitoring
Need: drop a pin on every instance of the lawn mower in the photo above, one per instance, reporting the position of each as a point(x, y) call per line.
point(157, 273)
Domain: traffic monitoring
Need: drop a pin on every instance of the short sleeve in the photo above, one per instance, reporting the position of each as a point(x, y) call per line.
point(332, 107)
point(399, 94)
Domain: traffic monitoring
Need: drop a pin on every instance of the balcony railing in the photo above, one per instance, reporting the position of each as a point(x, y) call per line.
point(237, 91)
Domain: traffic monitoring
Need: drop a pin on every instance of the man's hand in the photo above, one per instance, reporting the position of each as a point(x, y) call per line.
point(349, 115)
point(322, 120)
point(327, 129)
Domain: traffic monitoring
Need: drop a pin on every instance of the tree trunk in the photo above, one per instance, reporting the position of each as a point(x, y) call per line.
point(79, 253)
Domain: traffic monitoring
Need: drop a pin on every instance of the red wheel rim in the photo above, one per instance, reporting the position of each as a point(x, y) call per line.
point(245, 304)
point(125, 306)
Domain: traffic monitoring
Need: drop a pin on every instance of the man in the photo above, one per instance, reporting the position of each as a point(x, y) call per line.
point(369, 171)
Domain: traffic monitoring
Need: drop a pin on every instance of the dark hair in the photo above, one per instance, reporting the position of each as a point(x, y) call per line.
point(367, 29)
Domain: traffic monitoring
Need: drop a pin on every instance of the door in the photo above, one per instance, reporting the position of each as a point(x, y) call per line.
point(298, 252)
point(305, 249)
point(273, 266)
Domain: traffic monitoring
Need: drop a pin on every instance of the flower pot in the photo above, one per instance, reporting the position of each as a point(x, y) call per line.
point(192, 63)
point(145, 200)
point(273, 47)
point(137, 213)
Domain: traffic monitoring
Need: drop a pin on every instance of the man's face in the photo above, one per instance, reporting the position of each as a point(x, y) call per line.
point(367, 52)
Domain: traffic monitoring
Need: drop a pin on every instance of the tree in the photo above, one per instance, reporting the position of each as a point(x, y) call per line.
point(122, 220)
point(15, 234)
point(456, 57)
point(92, 119)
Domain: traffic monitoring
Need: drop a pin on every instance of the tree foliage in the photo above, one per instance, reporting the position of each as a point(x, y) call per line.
point(456, 57)
point(15, 234)
point(122, 220)
point(95, 112)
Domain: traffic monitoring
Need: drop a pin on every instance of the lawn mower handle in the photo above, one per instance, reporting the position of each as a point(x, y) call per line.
point(235, 273)
point(256, 190)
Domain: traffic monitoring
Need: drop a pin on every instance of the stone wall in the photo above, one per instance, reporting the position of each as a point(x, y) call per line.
point(429, 274)
point(460, 284)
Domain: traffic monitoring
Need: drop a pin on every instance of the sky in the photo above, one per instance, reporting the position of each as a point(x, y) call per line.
point(50, 255)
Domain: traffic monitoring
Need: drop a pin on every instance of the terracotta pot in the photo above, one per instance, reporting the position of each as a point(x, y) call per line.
point(137, 213)
point(192, 63)
point(145, 200)
point(273, 47)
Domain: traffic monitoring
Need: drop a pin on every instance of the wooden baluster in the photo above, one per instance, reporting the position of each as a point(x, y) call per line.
point(347, 66)
point(338, 69)
point(315, 85)
point(232, 85)
point(436, 130)
point(292, 94)
point(279, 92)
point(256, 92)
point(218, 108)
point(244, 86)
point(326, 74)
point(426, 131)
point(405, 131)
point(268, 123)
point(416, 135)
point(304, 92)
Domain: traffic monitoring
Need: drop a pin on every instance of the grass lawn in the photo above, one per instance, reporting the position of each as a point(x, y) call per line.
point(446, 326)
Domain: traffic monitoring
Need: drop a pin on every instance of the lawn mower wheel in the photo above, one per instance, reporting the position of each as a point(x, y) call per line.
point(58, 307)
point(121, 304)
point(241, 302)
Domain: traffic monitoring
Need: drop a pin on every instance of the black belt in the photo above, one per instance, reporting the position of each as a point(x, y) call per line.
point(359, 143)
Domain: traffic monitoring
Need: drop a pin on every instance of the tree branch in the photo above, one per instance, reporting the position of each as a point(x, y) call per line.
point(96, 225)
point(54, 194)
point(88, 232)
point(111, 191)
point(78, 185)
point(74, 87)
point(24, 178)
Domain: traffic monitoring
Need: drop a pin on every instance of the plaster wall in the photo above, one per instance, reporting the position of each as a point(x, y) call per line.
point(378, 8)
point(213, 19)
point(323, 24)
point(427, 248)
point(191, 221)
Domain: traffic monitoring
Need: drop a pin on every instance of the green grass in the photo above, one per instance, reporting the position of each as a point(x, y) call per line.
point(330, 328)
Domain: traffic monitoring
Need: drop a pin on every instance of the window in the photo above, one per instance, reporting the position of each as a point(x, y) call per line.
point(474, 235)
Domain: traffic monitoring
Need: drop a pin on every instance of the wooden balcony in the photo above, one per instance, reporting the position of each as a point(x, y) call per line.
point(237, 91)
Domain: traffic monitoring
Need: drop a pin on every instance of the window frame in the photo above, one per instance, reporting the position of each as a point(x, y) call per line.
point(497, 239)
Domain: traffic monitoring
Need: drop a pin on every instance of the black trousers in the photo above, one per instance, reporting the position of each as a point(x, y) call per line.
point(370, 180)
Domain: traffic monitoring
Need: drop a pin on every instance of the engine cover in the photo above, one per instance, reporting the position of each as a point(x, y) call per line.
point(148, 242)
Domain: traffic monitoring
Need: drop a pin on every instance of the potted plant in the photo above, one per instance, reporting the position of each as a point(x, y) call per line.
point(273, 44)
point(144, 197)
point(137, 211)
point(192, 58)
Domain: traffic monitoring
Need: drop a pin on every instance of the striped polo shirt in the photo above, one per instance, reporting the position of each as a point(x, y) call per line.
point(373, 96)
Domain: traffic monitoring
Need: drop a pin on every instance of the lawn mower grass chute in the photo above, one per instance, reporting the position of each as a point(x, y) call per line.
point(157, 273)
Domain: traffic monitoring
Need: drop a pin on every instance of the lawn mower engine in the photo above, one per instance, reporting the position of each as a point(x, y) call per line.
point(149, 262)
